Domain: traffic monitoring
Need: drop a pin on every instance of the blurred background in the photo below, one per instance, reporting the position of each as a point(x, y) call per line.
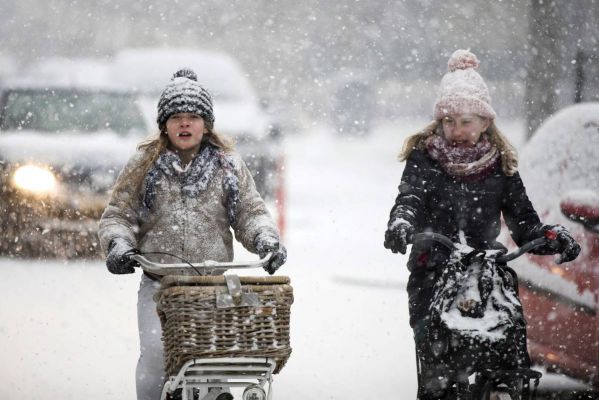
point(299, 54)
point(319, 96)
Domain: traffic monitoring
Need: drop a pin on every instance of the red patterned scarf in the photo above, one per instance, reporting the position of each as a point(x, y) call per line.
point(464, 163)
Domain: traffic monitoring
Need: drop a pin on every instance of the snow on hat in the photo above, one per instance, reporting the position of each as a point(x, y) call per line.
point(462, 89)
point(184, 95)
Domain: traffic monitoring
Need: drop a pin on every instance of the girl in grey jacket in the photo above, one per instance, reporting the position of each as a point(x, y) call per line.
point(181, 193)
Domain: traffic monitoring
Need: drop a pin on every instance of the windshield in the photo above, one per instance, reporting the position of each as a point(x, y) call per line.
point(51, 110)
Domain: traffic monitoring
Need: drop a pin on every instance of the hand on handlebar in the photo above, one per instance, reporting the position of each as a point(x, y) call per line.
point(397, 237)
point(118, 260)
point(562, 242)
point(267, 243)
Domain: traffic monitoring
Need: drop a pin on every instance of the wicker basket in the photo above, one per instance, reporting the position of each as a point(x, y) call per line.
point(193, 326)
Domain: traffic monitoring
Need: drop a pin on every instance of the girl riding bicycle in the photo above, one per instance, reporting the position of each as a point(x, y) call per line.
point(460, 178)
point(181, 193)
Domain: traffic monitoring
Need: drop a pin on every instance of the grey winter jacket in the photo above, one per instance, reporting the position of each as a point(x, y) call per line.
point(196, 228)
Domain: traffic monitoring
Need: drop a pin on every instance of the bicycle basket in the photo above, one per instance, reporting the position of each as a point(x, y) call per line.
point(194, 326)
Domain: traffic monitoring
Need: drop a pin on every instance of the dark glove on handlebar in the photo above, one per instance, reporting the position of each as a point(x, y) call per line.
point(267, 243)
point(118, 260)
point(564, 244)
point(397, 236)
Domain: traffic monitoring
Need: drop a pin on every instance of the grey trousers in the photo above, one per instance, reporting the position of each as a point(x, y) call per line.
point(150, 374)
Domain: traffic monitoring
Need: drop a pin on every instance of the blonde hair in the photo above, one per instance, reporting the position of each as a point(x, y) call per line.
point(509, 156)
point(152, 147)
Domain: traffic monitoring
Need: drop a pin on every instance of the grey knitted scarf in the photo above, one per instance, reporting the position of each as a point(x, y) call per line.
point(195, 178)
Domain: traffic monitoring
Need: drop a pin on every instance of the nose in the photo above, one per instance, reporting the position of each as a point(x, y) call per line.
point(185, 121)
point(458, 132)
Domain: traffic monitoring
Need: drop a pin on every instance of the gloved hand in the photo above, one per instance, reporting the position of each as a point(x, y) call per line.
point(397, 235)
point(564, 244)
point(118, 260)
point(268, 243)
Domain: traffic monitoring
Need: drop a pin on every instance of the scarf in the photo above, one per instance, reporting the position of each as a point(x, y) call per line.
point(194, 178)
point(463, 163)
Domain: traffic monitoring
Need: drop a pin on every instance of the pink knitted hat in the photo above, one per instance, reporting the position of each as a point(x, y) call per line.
point(462, 89)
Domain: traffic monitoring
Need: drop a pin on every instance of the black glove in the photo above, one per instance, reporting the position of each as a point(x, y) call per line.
point(118, 260)
point(267, 243)
point(564, 244)
point(397, 236)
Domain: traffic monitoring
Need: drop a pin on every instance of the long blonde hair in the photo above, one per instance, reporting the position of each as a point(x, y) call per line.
point(509, 156)
point(153, 146)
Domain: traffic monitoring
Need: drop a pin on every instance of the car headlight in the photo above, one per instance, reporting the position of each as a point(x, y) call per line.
point(34, 179)
point(254, 392)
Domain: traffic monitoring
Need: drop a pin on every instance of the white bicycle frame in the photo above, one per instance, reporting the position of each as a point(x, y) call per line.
point(196, 377)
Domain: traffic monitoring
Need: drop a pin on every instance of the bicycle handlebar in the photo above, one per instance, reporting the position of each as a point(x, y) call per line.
point(196, 268)
point(438, 237)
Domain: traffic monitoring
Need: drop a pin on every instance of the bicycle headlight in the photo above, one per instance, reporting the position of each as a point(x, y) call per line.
point(34, 179)
point(254, 392)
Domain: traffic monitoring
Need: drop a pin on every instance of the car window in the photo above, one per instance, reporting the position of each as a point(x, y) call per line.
point(70, 111)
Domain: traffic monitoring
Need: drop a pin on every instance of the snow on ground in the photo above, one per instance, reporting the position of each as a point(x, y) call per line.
point(69, 330)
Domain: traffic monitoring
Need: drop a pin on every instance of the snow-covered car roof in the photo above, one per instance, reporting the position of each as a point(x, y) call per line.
point(562, 157)
point(236, 106)
point(81, 73)
point(148, 70)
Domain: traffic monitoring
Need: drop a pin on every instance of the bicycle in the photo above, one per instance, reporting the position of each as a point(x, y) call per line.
point(461, 300)
point(221, 331)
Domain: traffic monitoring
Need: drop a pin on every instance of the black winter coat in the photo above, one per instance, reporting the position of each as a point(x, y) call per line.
point(432, 200)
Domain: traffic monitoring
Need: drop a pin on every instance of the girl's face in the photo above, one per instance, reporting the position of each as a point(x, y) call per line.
point(185, 132)
point(464, 130)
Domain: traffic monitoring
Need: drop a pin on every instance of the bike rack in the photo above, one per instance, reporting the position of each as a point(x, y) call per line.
point(220, 373)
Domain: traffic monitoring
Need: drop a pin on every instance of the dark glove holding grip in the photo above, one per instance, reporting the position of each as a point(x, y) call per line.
point(398, 236)
point(118, 260)
point(267, 243)
point(560, 240)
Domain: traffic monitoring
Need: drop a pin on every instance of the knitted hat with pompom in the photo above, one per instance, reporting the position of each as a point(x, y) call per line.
point(184, 95)
point(462, 89)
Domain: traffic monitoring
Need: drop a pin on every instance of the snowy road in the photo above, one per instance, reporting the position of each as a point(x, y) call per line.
point(69, 331)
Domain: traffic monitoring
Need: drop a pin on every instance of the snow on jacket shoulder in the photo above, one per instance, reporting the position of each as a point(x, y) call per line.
point(196, 227)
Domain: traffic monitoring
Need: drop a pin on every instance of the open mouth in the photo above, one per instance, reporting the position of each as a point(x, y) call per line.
point(461, 144)
point(183, 134)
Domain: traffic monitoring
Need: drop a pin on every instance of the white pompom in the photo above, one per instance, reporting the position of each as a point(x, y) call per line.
point(462, 59)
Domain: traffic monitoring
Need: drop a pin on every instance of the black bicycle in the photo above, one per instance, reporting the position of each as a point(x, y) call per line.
point(474, 324)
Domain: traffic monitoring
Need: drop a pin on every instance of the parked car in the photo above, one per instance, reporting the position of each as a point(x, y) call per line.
point(560, 166)
point(237, 108)
point(61, 147)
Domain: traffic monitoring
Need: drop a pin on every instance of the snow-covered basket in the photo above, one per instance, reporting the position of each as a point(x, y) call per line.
point(202, 318)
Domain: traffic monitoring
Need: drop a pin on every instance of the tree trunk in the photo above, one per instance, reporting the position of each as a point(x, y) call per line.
point(543, 73)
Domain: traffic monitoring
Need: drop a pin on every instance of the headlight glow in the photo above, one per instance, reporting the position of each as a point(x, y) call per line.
point(37, 180)
point(254, 392)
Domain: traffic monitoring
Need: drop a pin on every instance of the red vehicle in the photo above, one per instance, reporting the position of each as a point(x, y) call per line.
point(560, 167)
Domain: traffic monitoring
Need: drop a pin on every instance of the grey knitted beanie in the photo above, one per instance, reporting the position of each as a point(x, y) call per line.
point(184, 95)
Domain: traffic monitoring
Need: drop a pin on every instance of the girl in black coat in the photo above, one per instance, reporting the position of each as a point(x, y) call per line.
point(460, 178)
